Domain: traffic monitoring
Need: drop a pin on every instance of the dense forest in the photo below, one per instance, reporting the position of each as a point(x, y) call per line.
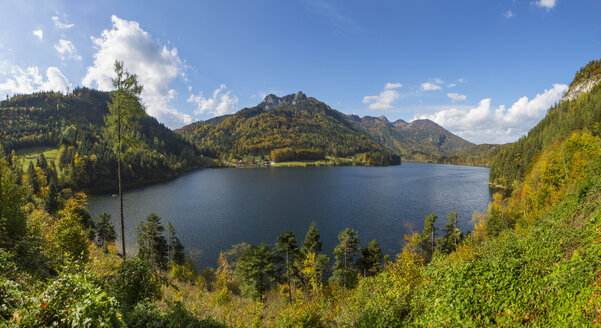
point(419, 140)
point(477, 155)
point(304, 124)
point(531, 260)
point(511, 165)
point(297, 122)
point(74, 124)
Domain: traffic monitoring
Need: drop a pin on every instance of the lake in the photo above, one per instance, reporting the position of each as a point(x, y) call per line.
point(212, 209)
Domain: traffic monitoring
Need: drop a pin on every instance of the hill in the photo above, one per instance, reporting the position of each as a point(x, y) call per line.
point(477, 155)
point(294, 121)
point(73, 124)
point(579, 110)
point(532, 258)
point(298, 122)
point(419, 140)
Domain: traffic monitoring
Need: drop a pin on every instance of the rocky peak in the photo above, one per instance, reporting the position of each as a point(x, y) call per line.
point(272, 101)
point(581, 87)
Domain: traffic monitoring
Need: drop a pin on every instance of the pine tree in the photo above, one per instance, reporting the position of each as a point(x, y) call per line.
point(105, 229)
point(344, 253)
point(311, 244)
point(371, 261)
point(257, 268)
point(176, 249)
point(288, 249)
point(51, 202)
point(121, 129)
point(33, 179)
point(428, 237)
point(452, 234)
point(152, 244)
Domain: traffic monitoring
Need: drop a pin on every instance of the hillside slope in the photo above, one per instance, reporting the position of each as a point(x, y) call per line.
point(293, 121)
point(580, 110)
point(421, 140)
point(75, 123)
point(299, 122)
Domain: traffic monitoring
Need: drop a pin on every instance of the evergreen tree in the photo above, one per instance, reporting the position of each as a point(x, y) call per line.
point(42, 162)
point(51, 202)
point(152, 244)
point(257, 268)
point(428, 237)
point(312, 243)
point(12, 215)
point(288, 249)
point(452, 234)
point(344, 253)
point(371, 261)
point(33, 180)
point(176, 249)
point(121, 124)
point(105, 229)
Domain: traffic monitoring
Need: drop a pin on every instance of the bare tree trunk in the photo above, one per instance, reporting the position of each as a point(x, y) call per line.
point(288, 274)
point(120, 188)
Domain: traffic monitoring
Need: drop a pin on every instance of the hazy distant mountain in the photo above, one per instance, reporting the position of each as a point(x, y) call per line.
point(417, 140)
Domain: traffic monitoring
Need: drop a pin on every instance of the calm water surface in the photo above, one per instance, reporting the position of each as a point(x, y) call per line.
point(212, 209)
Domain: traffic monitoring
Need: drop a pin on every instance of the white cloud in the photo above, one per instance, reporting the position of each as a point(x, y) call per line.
point(427, 86)
point(66, 49)
point(155, 65)
point(549, 4)
point(29, 80)
point(39, 33)
point(393, 85)
point(220, 103)
point(456, 97)
point(452, 85)
point(61, 25)
point(484, 123)
point(384, 100)
point(508, 14)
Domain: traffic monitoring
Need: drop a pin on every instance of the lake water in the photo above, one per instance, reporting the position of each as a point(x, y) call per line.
point(212, 209)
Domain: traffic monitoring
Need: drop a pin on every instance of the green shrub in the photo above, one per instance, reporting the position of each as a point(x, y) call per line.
point(135, 282)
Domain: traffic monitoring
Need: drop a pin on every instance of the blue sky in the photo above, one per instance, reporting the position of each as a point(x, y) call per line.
point(486, 70)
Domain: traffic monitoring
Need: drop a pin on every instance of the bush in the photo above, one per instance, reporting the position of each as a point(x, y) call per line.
point(73, 300)
point(135, 282)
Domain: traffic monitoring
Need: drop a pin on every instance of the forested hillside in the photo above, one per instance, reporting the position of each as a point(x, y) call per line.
point(74, 124)
point(581, 113)
point(298, 122)
point(531, 260)
point(294, 121)
point(478, 155)
point(419, 140)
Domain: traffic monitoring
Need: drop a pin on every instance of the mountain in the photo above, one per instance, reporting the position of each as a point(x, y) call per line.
point(579, 110)
point(421, 140)
point(294, 121)
point(478, 155)
point(74, 123)
point(300, 122)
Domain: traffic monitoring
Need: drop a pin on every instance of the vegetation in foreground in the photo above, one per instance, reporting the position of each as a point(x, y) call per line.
point(532, 260)
point(537, 268)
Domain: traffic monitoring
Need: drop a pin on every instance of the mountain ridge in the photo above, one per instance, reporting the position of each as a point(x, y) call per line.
point(422, 140)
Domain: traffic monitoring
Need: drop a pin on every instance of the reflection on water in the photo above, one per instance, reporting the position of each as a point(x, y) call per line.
point(213, 209)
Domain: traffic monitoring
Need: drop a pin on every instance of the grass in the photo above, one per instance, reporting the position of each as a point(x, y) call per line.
point(33, 154)
point(328, 161)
